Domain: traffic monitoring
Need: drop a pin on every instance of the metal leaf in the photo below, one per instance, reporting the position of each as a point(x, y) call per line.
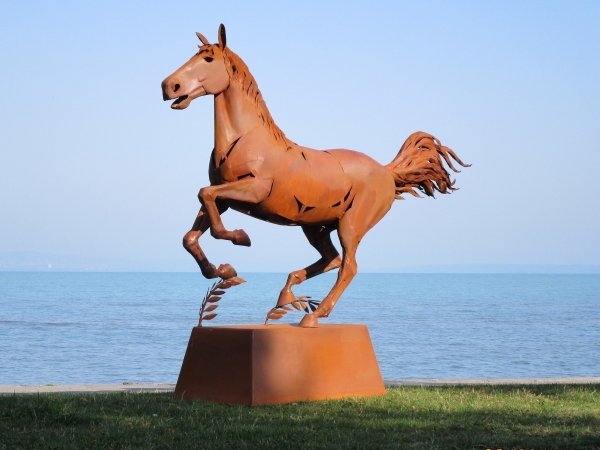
point(217, 293)
point(211, 308)
point(210, 316)
point(223, 285)
point(287, 308)
point(296, 305)
point(312, 307)
point(235, 281)
point(212, 299)
point(276, 314)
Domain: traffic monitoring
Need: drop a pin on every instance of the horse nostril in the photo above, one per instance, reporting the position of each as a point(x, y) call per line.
point(176, 88)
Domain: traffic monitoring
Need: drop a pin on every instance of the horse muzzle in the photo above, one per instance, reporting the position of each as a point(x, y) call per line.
point(172, 89)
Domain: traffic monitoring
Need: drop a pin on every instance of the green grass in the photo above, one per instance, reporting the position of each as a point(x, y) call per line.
point(539, 417)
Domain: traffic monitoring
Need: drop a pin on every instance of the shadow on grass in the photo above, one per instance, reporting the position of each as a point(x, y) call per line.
point(408, 417)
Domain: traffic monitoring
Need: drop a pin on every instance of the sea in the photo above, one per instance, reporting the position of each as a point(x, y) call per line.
point(78, 327)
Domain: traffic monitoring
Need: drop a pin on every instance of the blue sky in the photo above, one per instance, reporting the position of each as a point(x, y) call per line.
point(93, 164)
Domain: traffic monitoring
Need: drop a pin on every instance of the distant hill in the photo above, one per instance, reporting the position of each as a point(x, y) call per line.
point(48, 262)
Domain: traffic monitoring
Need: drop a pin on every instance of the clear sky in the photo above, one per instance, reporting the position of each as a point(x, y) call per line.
point(94, 164)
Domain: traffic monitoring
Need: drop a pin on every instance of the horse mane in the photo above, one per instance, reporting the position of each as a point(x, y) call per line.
point(239, 71)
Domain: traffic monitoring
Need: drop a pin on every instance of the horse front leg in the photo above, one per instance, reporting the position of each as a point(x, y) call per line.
point(249, 190)
point(192, 245)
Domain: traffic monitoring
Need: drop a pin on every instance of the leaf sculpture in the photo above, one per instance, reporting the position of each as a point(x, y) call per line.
point(301, 303)
point(213, 295)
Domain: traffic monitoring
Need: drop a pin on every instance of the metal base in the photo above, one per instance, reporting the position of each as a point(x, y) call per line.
point(262, 365)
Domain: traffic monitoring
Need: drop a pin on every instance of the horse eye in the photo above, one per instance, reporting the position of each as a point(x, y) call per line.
point(208, 59)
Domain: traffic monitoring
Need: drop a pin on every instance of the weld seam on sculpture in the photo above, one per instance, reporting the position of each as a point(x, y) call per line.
point(272, 178)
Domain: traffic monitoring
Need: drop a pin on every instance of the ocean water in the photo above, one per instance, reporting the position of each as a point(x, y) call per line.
point(116, 327)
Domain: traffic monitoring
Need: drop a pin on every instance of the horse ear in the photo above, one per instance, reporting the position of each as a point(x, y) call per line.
point(202, 38)
point(222, 37)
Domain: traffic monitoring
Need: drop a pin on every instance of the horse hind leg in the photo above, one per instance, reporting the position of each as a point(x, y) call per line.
point(360, 218)
point(320, 238)
point(349, 239)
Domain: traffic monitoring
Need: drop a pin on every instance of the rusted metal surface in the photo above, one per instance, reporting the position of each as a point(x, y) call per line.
point(256, 170)
point(261, 365)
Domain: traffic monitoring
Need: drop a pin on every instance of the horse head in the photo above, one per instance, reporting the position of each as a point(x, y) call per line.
point(205, 73)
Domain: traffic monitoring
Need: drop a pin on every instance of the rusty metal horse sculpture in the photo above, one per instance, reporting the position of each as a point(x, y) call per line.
point(256, 170)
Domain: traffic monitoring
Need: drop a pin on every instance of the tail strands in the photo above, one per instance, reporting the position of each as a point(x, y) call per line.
point(418, 165)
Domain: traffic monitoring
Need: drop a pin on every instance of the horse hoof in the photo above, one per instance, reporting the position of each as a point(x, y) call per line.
point(309, 321)
point(226, 271)
point(286, 297)
point(240, 238)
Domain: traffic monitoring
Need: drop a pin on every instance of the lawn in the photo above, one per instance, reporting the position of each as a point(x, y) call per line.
point(538, 417)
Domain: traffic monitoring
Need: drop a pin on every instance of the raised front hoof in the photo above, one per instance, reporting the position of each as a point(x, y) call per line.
point(240, 238)
point(226, 271)
point(309, 321)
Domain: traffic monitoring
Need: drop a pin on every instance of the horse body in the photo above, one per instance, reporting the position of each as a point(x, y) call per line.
point(256, 170)
point(309, 187)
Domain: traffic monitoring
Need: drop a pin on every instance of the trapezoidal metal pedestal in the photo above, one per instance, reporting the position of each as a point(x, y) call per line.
point(262, 365)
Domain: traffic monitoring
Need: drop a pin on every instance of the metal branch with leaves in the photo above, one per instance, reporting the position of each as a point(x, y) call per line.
point(301, 303)
point(213, 295)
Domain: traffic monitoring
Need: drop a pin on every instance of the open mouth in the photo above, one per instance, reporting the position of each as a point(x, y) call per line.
point(185, 100)
point(181, 102)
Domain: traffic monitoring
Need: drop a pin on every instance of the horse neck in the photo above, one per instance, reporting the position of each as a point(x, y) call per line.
point(235, 115)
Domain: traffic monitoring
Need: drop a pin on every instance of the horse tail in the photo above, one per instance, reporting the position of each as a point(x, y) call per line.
point(419, 165)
